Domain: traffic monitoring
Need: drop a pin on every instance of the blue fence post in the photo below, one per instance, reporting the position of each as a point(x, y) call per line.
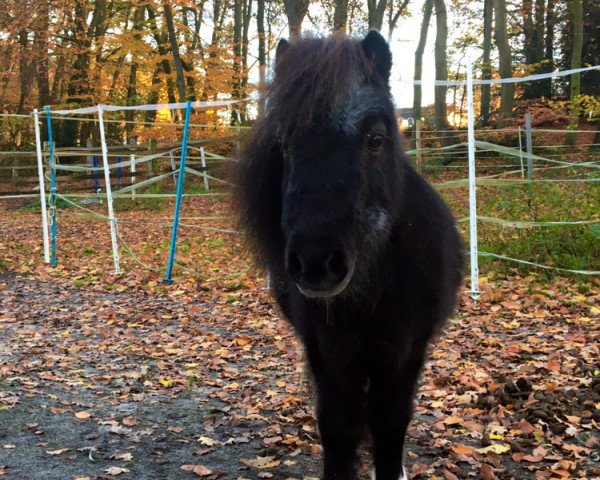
point(96, 179)
point(53, 189)
point(119, 173)
point(186, 126)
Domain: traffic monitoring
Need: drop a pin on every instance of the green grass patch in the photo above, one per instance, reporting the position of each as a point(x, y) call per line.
point(141, 204)
point(60, 205)
point(573, 247)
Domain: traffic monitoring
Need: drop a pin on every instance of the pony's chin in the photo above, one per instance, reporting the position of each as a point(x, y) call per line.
point(327, 294)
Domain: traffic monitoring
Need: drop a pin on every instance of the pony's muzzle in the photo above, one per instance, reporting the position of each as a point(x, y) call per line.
point(319, 271)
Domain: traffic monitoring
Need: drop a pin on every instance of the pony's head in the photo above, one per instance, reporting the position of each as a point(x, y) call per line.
point(331, 123)
point(335, 121)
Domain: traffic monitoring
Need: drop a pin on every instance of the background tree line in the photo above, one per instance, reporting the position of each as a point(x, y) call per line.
point(83, 52)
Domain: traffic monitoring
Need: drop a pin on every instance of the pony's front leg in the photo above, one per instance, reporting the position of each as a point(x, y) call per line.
point(341, 425)
point(390, 410)
point(340, 379)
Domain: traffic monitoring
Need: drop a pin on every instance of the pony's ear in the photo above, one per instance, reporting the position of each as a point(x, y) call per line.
point(282, 47)
point(378, 52)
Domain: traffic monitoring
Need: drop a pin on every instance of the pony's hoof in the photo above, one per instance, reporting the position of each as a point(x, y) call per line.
point(404, 475)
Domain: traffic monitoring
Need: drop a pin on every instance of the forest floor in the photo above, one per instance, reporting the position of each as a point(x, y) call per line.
point(122, 376)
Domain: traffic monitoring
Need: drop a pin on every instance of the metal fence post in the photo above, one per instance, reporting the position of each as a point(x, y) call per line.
point(184, 144)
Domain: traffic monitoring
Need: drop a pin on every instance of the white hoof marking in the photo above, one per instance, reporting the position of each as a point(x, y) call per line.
point(404, 475)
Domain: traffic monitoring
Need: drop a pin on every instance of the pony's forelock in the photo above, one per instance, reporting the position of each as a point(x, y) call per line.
point(321, 81)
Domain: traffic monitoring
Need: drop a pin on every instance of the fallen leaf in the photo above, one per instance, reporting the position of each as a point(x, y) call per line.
point(463, 450)
point(261, 462)
point(498, 448)
point(487, 472)
point(209, 442)
point(199, 470)
point(453, 420)
point(116, 470)
point(57, 452)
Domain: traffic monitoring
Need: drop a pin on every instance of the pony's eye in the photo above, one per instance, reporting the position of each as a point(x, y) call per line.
point(374, 142)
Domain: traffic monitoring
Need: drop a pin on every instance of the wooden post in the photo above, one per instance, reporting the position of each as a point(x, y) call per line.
point(529, 142)
point(521, 154)
point(132, 147)
point(89, 162)
point(151, 146)
point(173, 166)
point(418, 144)
point(204, 170)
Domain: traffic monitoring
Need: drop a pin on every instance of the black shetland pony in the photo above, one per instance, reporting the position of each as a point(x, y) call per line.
point(364, 256)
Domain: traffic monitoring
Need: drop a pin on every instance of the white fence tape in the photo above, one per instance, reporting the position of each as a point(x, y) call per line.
point(539, 265)
point(160, 106)
point(530, 78)
point(529, 224)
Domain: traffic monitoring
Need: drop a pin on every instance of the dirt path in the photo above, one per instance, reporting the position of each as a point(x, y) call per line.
point(130, 385)
point(154, 387)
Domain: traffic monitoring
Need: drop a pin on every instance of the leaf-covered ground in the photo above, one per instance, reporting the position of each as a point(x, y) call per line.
point(125, 377)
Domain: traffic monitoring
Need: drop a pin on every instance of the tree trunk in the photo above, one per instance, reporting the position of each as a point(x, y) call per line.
point(576, 10)
point(486, 65)
point(40, 46)
point(247, 12)
point(175, 52)
point(262, 59)
point(188, 63)
point(80, 88)
point(114, 90)
point(24, 70)
point(538, 42)
point(528, 31)
point(427, 8)
point(163, 52)
point(340, 16)
point(238, 11)
point(546, 84)
point(533, 48)
point(153, 93)
point(58, 77)
point(505, 59)
point(441, 69)
point(394, 16)
point(295, 11)
point(376, 11)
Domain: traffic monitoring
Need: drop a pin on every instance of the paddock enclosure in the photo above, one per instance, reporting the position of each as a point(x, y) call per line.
point(126, 375)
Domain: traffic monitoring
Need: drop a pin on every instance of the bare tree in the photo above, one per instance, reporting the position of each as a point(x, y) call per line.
point(441, 68)
point(427, 9)
point(40, 48)
point(576, 10)
point(505, 57)
point(295, 11)
point(394, 14)
point(486, 65)
point(376, 10)
point(262, 59)
point(340, 16)
point(175, 51)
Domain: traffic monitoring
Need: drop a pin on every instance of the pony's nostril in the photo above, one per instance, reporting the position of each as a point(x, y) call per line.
point(294, 266)
point(336, 264)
